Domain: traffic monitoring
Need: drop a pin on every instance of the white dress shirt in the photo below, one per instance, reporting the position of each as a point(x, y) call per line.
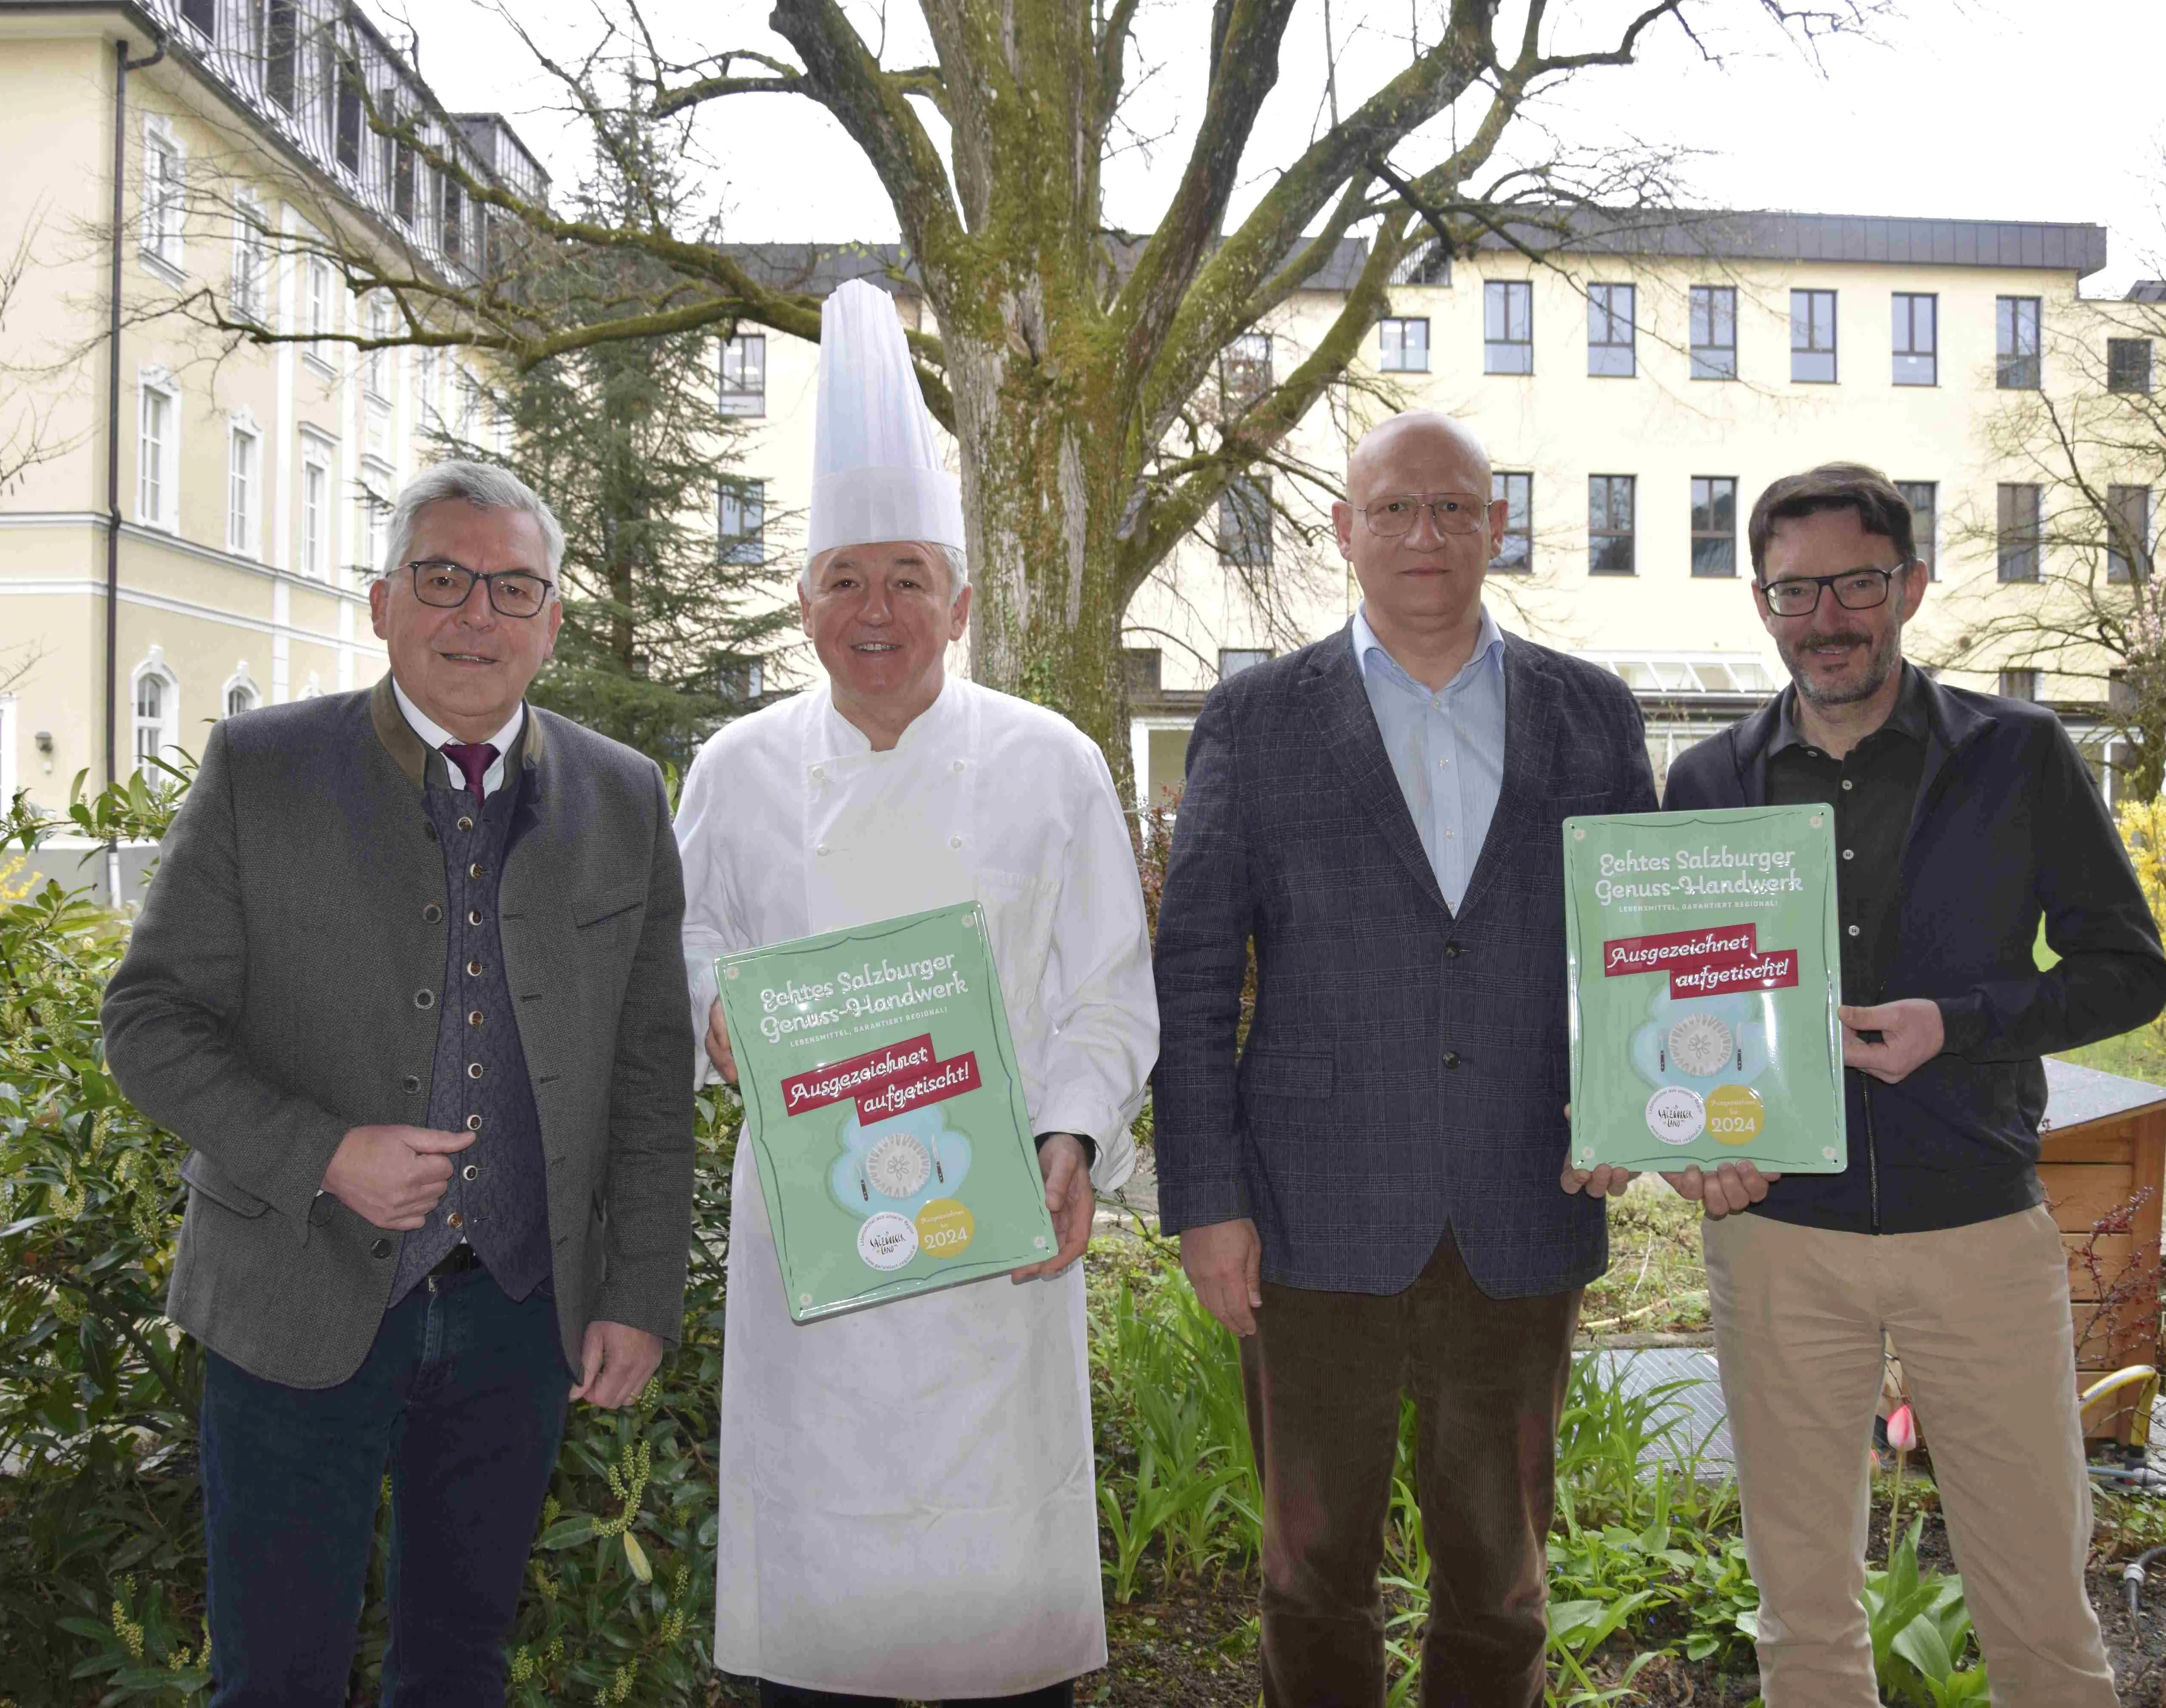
point(434, 735)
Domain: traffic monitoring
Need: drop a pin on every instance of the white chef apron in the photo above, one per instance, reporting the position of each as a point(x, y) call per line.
point(907, 1500)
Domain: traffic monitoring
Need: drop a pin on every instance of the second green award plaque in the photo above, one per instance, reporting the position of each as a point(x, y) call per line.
point(1703, 969)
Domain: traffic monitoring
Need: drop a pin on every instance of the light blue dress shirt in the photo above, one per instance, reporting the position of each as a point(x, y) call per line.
point(1447, 746)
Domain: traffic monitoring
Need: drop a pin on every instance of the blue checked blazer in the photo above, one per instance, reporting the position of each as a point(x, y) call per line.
point(1406, 1068)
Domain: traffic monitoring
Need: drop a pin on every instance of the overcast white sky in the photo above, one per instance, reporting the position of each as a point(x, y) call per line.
point(2009, 109)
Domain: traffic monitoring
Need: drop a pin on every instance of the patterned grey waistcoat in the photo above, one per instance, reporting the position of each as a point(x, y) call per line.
point(498, 1199)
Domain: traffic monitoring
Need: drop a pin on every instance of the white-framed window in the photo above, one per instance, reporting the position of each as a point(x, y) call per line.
point(315, 553)
point(165, 193)
point(318, 310)
point(741, 522)
point(372, 515)
point(1402, 345)
point(244, 486)
point(744, 375)
point(250, 296)
point(376, 367)
point(158, 450)
point(155, 694)
point(240, 693)
point(469, 407)
point(428, 368)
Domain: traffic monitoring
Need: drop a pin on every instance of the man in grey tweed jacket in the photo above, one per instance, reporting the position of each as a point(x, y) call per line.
point(408, 985)
point(1372, 1190)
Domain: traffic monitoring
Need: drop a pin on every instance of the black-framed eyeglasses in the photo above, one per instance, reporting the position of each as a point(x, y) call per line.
point(439, 581)
point(1854, 590)
point(1453, 513)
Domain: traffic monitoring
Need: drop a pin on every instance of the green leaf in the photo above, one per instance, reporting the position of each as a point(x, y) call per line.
point(567, 1532)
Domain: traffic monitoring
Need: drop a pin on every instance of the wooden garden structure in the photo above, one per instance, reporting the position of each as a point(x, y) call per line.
point(2103, 1165)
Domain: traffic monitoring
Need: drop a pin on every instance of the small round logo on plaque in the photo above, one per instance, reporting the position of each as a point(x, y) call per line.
point(1676, 1115)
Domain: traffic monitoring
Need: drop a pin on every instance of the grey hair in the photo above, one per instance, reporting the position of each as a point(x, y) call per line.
point(479, 484)
point(957, 565)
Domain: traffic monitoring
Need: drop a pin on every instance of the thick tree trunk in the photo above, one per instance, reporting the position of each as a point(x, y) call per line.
point(1038, 475)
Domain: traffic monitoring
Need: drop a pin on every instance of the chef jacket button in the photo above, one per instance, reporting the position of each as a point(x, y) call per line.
point(954, 841)
point(379, 1248)
point(959, 768)
point(470, 1173)
point(432, 914)
point(473, 1124)
point(1451, 1057)
point(821, 849)
point(424, 999)
point(819, 774)
point(411, 1084)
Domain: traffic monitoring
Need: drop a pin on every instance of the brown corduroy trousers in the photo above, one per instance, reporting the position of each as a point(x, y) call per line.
point(1325, 1372)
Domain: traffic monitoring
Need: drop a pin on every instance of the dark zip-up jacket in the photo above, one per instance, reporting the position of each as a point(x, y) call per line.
point(2008, 828)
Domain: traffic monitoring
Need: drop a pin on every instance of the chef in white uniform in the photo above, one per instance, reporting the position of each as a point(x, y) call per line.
point(907, 1493)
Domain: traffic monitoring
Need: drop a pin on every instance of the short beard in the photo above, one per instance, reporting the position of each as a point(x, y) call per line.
point(1886, 658)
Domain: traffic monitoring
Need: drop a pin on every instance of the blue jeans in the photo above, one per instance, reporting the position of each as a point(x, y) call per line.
point(463, 1395)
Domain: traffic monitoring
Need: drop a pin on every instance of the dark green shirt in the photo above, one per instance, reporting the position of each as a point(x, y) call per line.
point(1872, 788)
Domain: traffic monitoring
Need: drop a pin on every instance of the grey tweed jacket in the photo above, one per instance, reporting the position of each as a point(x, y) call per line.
point(281, 986)
point(1406, 1068)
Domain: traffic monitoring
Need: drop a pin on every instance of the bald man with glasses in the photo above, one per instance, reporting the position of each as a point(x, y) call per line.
point(1372, 1191)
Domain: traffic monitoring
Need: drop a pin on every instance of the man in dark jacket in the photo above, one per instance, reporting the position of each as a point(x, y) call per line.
point(408, 987)
point(1962, 820)
point(1370, 1197)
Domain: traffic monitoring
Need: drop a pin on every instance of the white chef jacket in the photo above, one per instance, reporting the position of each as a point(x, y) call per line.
point(907, 1501)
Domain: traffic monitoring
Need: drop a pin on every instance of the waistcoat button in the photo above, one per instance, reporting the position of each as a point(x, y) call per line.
point(470, 1173)
point(466, 823)
point(473, 1124)
point(473, 968)
point(474, 1017)
point(455, 1220)
point(473, 1070)
point(473, 916)
point(474, 870)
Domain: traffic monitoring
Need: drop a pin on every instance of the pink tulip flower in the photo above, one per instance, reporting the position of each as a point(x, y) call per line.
point(1902, 1429)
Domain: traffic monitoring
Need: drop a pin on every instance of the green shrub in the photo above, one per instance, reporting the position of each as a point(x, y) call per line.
point(101, 1521)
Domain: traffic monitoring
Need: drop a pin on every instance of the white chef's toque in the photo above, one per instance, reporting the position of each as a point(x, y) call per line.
point(876, 466)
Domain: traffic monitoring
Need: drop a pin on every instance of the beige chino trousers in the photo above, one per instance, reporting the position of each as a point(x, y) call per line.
point(1979, 1317)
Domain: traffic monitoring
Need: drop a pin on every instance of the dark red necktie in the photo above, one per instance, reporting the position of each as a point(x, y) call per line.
point(473, 759)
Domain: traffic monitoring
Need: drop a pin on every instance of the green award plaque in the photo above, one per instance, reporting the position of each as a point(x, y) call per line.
point(883, 1104)
point(1703, 967)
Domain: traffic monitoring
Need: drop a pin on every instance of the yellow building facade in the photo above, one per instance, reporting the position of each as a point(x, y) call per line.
point(189, 519)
